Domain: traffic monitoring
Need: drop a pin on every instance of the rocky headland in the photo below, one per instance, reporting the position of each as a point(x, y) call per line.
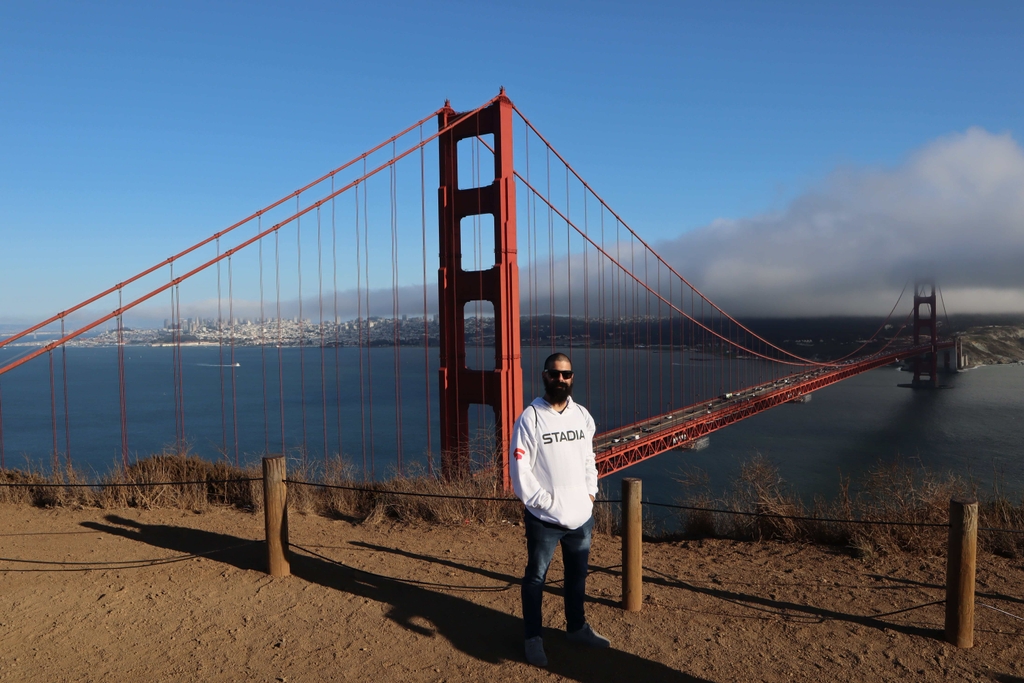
point(993, 344)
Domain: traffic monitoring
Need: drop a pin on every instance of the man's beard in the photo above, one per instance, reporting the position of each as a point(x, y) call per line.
point(557, 391)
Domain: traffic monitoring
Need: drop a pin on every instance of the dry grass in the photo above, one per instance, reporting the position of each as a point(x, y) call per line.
point(890, 492)
point(218, 483)
point(138, 485)
point(893, 492)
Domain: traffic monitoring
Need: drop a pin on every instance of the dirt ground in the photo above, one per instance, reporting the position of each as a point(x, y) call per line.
point(98, 595)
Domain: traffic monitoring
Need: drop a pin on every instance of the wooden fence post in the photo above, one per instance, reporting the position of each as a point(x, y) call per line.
point(960, 565)
point(632, 540)
point(275, 510)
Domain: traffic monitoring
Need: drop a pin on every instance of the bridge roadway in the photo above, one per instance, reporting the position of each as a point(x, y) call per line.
point(619, 448)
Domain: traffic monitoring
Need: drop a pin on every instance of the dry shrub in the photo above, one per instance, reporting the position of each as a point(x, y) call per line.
point(61, 487)
point(43, 496)
point(341, 503)
point(459, 501)
point(446, 502)
point(335, 491)
point(889, 492)
point(897, 492)
point(605, 521)
point(208, 483)
point(822, 529)
point(187, 482)
point(697, 523)
point(760, 490)
point(1000, 513)
point(302, 499)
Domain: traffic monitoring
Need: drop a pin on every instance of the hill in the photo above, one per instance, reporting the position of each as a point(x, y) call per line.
point(993, 344)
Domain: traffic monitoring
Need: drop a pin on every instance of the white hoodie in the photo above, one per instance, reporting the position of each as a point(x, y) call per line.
point(551, 462)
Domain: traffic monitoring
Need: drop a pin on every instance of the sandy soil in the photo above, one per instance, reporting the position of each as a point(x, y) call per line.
point(95, 595)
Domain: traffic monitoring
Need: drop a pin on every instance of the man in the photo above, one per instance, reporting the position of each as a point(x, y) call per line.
point(552, 468)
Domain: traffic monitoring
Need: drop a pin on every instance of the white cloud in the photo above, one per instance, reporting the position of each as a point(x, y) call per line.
point(954, 210)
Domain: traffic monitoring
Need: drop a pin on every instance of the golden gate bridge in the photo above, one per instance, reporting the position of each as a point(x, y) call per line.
point(530, 259)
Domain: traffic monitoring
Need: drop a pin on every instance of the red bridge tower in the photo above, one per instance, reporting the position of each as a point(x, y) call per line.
point(926, 372)
point(500, 387)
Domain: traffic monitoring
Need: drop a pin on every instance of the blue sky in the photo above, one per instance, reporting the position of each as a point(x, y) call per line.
point(130, 130)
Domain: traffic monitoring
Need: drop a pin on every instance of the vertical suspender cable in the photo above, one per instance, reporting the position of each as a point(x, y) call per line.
point(181, 373)
point(694, 377)
point(726, 375)
point(280, 339)
point(635, 306)
point(716, 366)
point(395, 306)
point(551, 257)
point(323, 339)
point(660, 344)
point(671, 347)
point(704, 354)
point(426, 324)
point(532, 260)
point(220, 364)
point(359, 332)
point(64, 377)
point(733, 368)
point(529, 271)
point(586, 298)
point(603, 312)
point(302, 333)
point(120, 382)
point(617, 313)
point(263, 343)
point(175, 349)
point(723, 366)
point(337, 320)
point(53, 416)
point(366, 292)
point(3, 459)
point(647, 326)
point(568, 257)
point(234, 373)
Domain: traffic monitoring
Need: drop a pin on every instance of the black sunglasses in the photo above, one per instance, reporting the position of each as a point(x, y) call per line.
point(554, 374)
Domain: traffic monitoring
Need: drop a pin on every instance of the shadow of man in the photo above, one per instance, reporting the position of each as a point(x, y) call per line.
point(480, 632)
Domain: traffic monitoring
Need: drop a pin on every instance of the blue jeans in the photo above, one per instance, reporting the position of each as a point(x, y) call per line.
point(541, 539)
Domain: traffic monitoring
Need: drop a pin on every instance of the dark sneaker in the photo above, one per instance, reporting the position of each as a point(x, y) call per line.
point(588, 636)
point(535, 651)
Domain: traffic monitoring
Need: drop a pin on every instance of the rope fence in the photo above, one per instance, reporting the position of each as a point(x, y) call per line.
point(961, 550)
point(507, 499)
point(674, 506)
point(799, 518)
point(100, 485)
point(961, 555)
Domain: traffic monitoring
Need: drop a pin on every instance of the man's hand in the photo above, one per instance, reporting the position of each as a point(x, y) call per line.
point(591, 499)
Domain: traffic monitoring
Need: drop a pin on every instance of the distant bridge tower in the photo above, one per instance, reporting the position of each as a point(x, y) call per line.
point(926, 373)
point(500, 387)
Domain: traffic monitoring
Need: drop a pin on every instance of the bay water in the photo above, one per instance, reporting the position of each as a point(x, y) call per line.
point(312, 404)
